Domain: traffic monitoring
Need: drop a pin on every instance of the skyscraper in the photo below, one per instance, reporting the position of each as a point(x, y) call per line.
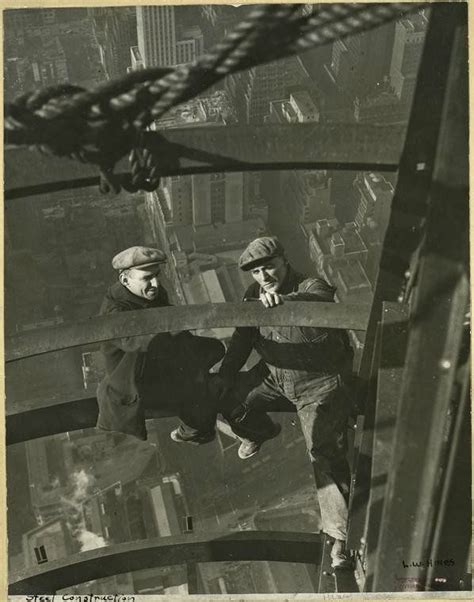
point(407, 48)
point(156, 33)
point(217, 198)
point(161, 39)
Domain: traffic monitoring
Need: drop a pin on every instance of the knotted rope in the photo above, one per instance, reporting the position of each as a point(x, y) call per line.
point(103, 125)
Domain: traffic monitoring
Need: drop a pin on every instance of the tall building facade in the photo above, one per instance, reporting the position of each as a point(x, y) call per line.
point(116, 31)
point(161, 40)
point(358, 63)
point(156, 32)
point(253, 91)
point(178, 198)
point(217, 198)
point(407, 48)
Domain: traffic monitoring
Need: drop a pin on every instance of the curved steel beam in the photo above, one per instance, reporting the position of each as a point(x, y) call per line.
point(167, 551)
point(207, 149)
point(44, 417)
point(184, 317)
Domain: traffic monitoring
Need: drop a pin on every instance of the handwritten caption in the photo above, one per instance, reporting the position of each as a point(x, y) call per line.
point(80, 598)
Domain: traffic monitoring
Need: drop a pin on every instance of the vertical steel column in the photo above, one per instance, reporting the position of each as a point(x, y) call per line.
point(409, 208)
point(409, 205)
point(435, 336)
point(360, 483)
point(326, 581)
point(451, 541)
point(393, 342)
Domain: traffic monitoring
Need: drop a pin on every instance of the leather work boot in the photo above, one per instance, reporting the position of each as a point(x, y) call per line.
point(249, 448)
point(340, 558)
point(199, 440)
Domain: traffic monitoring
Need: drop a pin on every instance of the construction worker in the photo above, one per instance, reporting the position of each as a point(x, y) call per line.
point(157, 371)
point(306, 368)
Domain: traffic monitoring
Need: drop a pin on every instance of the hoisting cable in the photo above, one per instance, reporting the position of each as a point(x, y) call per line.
point(103, 125)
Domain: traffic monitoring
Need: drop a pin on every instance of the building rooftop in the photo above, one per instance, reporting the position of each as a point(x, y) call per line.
point(348, 235)
point(415, 23)
point(277, 114)
point(217, 237)
point(375, 181)
point(384, 98)
point(352, 239)
point(303, 101)
point(353, 277)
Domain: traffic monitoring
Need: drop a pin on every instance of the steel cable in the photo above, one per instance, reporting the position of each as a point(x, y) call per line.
point(103, 125)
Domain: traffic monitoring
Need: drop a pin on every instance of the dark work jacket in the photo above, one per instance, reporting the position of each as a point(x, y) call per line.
point(308, 349)
point(135, 362)
point(118, 395)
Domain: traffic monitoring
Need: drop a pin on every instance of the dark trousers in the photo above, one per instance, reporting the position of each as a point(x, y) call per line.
point(176, 379)
point(323, 408)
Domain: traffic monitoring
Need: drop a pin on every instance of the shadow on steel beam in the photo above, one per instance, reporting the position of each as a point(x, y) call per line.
point(120, 558)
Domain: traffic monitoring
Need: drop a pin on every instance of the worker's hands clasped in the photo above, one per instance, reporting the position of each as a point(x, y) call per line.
point(271, 299)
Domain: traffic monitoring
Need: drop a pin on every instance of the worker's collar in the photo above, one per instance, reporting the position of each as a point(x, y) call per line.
point(121, 293)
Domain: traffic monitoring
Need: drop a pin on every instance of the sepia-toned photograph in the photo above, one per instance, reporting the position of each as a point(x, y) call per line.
point(237, 300)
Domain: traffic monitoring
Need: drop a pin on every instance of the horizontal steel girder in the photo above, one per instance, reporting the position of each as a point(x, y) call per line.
point(166, 551)
point(184, 317)
point(208, 149)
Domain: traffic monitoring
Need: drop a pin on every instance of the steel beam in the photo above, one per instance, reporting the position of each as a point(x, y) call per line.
point(184, 317)
point(326, 581)
point(360, 482)
point(393, 340)
point(452, 540)
point(166, 551)
point(208, 149)
point(44, 417)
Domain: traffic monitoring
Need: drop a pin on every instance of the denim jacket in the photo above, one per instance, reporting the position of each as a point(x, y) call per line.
point(130, 361)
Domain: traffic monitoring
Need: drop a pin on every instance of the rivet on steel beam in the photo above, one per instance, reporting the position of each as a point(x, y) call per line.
point(407, 274)
point(445, 364)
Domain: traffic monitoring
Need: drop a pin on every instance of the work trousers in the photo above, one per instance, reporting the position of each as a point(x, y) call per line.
point(178, 381)
point(323, 407)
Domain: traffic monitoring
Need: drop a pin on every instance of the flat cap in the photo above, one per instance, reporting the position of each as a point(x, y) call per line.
point(138, 257)
point(260, 250)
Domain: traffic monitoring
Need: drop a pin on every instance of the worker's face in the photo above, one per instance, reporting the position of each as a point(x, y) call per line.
point(142, 283)
point(271, 274)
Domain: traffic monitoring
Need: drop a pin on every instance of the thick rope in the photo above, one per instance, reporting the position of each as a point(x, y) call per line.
point(103, 125)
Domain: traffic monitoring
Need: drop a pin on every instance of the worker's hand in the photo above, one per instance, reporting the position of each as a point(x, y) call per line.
point(271, 299)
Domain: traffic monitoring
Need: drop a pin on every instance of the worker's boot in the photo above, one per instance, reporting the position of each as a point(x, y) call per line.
point(179, 437)
point(339, 555)
point(249, 448)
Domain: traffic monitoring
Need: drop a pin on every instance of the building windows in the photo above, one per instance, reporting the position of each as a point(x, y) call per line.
point(41, 556)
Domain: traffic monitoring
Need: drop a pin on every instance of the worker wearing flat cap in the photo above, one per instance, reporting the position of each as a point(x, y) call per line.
point(306, 371)
point(165, 371)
